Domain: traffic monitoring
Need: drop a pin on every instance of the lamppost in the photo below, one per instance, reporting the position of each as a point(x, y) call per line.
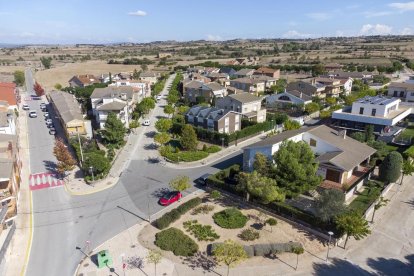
point(273, 125)
point(330, 233)
point(91, 171)
point(222, 142)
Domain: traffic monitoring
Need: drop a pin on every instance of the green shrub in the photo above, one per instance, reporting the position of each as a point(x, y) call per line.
point(201, 232)
point(183, 156)
point(173, 215)
point(230, 218)
point(213, 149)
point(249, 235)
point(271, 221)
point(176, 241)
point(214, 194)
point(203, 209)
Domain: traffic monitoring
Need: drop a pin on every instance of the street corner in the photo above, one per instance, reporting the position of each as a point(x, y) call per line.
point(81, 188)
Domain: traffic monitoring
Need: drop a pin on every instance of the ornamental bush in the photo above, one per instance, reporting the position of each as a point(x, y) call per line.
point(230, 218)
point(173, 215)
point(175, 240)
point(249, 235)
point(201, 232)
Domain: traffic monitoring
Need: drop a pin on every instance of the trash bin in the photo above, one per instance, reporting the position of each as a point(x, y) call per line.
point(104, 259)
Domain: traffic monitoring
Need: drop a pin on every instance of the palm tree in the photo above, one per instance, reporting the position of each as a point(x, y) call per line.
point(380, 203)
point(353, 224)
point(407, 168)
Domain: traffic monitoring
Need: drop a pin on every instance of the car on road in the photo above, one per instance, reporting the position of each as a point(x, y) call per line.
point(170, 197)
point(25, 107)
point(33, 114)
point(146, 123)
point(49, 121)
point(52, 131)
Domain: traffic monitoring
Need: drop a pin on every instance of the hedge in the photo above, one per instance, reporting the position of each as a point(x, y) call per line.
point(177, 241)
point(262, 249)
point(173, 215)
point(186, 156)
point(409, 152)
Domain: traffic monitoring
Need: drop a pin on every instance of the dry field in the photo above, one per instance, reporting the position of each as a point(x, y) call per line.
point(48, 78)
point(282, 232)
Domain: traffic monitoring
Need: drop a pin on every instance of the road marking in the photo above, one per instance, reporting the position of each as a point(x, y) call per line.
point(45, 180)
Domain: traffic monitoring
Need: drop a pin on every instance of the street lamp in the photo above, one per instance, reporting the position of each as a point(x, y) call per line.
point(222, 142)
point(91, 171)
point(330, 233)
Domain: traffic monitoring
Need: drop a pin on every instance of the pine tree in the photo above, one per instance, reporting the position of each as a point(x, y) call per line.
point(114, 130)
point(188, 138)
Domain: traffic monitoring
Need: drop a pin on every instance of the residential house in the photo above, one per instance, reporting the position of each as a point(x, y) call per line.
point(333, 87)
point(119, 100)
point(268, 81)
point(381, 112)
point(69, 113)
point(214, 119)
point(232, 90)
point(141, 88)
point(312, 88)
point(250, 85)
point(402, 90)
point(246, 72)
point(9, 94)
point(293, 97)
point(211, 70)
point(270, 72)
point(197, 91)
point(10, 180)
point(342, 160)
point(7, 121)
point(150, 77)
point(365, 76)
point(330, 67)
point(346, 85)
point(221, 78)
point(83, 80)
point(228, 70)
point(248, 105)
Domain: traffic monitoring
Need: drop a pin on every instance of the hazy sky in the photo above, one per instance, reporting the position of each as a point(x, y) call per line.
point(93, 21)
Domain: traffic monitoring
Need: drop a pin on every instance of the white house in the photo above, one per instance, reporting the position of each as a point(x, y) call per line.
point(381, 112)
point(142, 88)
point(119, 100)
point(7, 122)
point(403, 90)
point(150, 77)
point(342, 160)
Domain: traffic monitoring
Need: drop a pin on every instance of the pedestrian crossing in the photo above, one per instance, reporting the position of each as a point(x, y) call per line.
point(45, 180)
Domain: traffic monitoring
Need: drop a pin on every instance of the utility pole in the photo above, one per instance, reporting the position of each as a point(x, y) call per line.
point(80, 146)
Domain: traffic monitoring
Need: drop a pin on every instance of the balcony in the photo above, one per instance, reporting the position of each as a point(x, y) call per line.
point(357, 175)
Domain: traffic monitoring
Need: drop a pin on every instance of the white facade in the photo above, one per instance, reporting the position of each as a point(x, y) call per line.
point(10, 127)
point(285, 97)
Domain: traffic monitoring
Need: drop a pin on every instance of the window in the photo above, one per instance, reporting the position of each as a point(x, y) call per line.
point(401, 94)
point(374, 111)
point(312, 142)
point(395, 94)
point(361, 110)
point(412, 93)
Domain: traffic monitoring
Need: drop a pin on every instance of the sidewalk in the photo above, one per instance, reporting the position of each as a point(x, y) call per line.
point(19, 249)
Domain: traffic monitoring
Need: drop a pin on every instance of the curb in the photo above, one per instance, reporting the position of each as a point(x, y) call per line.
point(29, 244)
point(67, 189)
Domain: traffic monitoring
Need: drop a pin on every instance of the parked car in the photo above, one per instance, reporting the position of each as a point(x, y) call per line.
point(50, 125)
point(25, 107)
point(203, 179)
point(159, 97)
point(33, 114)
point(46, 114)
point(42, 105)
point(170, 197)
point(146, 123)
point(49, 121)
point(52, 131)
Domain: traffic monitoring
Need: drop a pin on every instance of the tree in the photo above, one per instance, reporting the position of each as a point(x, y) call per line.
point(133, 124)
point(353, 225)
point(97, 161)
point(66, 162)
point(331, 100)
point(38, 89)
point(135, 74)
point(261, 164)
point(229, 253)
point(154, 257)
point(169, 109)
point(162, 138)
point(183, 109)
point(188, 138)
point(369, 133)
point(330, 204)
point(46, 62)
point(272, 222)
point(19, 78)
point(145, 106)
point(261, 187)
point(318, 69)
point(291, 125)
point(280, 86)
point(296, 168)
point(58, 86)
point(180, 183)
point(359, 136)
point(390, 169)
point(380, 203)
point(214, 194)
point(298, 250)
point(144, 67)
point(114, 131)
point(407, 168)
point(312, 107)
point(163, 125)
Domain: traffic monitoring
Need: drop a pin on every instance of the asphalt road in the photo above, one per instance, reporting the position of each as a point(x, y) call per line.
point(63, 222)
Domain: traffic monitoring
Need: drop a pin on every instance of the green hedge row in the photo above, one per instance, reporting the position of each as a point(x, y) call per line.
point(262, 249)
point(173, 215)
point(186, 156)
point(177, 241)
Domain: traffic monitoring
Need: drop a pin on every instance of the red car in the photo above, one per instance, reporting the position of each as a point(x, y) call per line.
point(170, 197)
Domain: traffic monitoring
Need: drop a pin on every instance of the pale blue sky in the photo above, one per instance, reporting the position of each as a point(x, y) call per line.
point(93, 21)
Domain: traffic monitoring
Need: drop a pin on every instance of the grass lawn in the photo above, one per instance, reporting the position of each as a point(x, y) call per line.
point(364, 199)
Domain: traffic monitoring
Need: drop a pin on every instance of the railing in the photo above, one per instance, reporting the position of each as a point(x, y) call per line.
point(4, 242)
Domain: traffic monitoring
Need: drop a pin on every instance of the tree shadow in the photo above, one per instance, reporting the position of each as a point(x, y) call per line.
point(238, 159)
point(393, 266)
point(410, 202)
point(201, 260)
point(153, 160)
point(151, 146)
point(50, 166)
point(338, 267)
point(150, 134)
point(257, 225)
point(160, 192)
point(273, 256)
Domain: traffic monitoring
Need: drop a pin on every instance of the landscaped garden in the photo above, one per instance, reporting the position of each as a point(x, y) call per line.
point(204, 224)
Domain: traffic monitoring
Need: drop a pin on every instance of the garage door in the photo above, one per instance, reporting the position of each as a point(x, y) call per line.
point(333, 175)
